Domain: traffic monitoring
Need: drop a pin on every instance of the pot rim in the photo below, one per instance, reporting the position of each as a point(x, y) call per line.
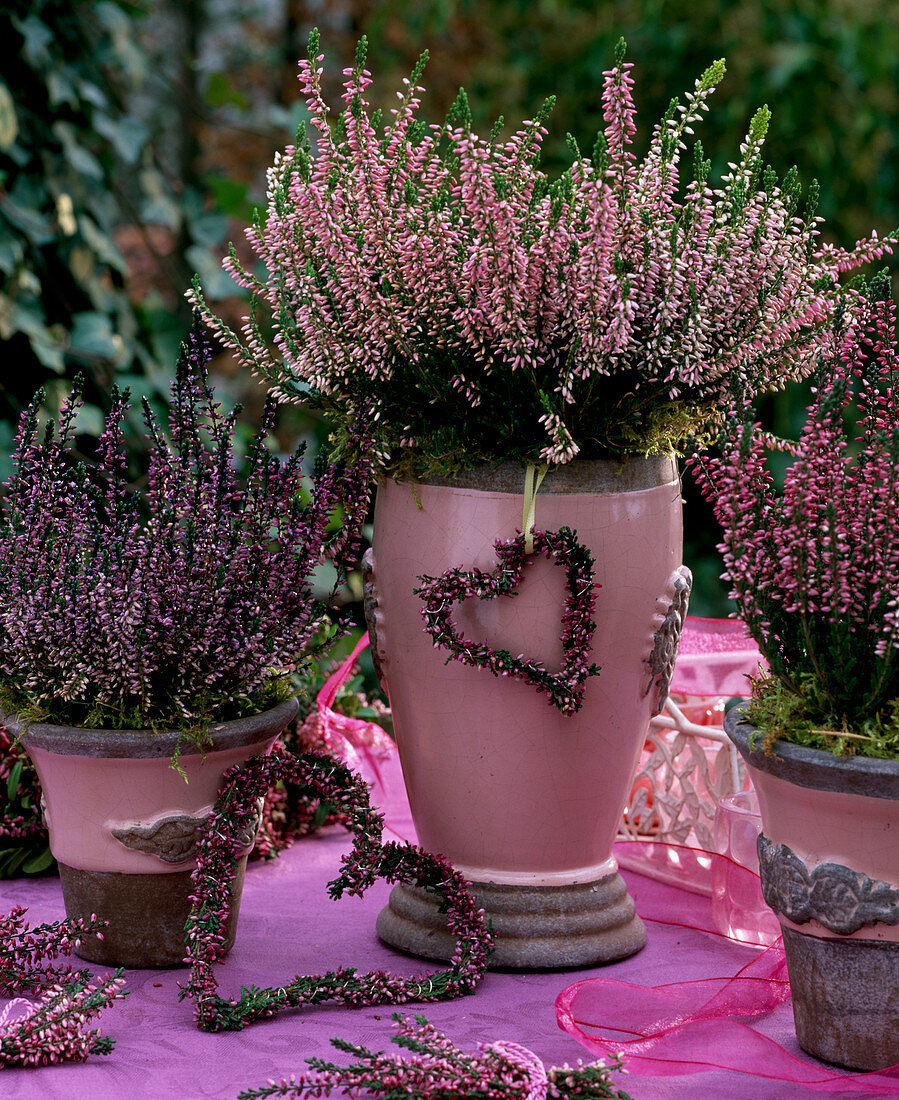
point(585, 476)
point(148, 744)
point(814, 768)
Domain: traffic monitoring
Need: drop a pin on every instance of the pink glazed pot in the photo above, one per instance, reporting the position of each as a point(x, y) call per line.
point(524, 800)
point(829, 863)
point(124, 825)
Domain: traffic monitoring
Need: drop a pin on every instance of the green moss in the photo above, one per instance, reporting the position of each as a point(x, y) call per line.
point(204, 712)
point(802, 719)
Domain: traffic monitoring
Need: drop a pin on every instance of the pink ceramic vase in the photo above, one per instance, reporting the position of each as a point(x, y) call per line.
point(829, 863)
point(523, 799)
point(124, 825)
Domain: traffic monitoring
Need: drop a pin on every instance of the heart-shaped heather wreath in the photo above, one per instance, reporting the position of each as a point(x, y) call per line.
point(322, 777)
point(566, 687)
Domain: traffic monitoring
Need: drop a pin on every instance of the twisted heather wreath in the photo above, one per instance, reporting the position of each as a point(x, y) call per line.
point(329, 781)
point(566, 687)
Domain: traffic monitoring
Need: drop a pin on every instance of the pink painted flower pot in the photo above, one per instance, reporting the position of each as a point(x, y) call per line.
point(523, 799)
point(829, 862)
point(124, 825)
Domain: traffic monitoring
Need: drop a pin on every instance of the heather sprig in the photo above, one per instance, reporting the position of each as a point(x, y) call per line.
point(52, 1029)
point(177, 605)
point(326, 779)
point(489, 312)
point(814, 566)
point(437, 1069)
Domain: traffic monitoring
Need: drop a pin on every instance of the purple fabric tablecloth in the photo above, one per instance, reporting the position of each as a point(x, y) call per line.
point(289, 925)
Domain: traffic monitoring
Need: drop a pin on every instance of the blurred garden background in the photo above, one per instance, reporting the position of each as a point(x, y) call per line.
point(134, 139)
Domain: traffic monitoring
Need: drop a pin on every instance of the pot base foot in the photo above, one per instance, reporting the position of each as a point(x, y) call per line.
point(146, 914)
point(844, 999)
point(536, 927)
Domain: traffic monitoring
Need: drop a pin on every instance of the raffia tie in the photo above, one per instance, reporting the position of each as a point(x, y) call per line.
point(532, 482)
point(528, 1061)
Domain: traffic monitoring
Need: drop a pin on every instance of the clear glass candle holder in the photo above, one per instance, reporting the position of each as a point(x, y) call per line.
point(738, 908)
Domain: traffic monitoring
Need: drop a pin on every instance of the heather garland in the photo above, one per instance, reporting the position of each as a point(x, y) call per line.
point(439, 1070)
point(329, 781)
point(185, 603)
point(564, 688)
point(491, 313)
point(52, 1029)
point(290, 810)
point(814, 567)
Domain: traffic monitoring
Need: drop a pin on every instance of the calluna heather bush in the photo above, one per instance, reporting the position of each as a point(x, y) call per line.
point(491, 313)
point(183, 604)
point(814, 567)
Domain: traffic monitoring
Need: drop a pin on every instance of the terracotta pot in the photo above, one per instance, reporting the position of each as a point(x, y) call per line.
point(524, 800)
point(829, 862)
point(124, 824)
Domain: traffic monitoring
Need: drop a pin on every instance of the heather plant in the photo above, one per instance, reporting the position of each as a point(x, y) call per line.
point(814, 565)
point(177, 605)
point(488, 312)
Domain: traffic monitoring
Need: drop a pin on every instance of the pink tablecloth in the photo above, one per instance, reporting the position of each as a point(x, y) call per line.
point(288, 925)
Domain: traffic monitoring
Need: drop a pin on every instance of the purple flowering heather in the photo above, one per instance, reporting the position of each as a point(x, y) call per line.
point(492, 313)
point(185, 603)
point(814, 567)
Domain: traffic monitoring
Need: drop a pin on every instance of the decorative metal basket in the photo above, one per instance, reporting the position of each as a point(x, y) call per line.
point(688, 762)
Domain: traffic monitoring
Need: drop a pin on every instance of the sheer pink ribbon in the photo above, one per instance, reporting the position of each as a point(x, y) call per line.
point(361, 745)
point(690, 1027)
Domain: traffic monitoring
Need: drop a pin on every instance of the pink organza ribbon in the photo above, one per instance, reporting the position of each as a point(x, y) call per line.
point(695, 1026)
point(7, 1023)
point(361, 745)
point(714, 657)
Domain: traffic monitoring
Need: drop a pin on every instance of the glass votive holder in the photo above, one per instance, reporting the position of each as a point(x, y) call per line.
point(738, 908)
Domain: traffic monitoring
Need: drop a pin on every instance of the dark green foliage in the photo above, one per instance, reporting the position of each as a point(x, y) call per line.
point(70, 163)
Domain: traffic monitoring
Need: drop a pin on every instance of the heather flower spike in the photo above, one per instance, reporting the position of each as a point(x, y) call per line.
point(488, 312)
point(814, 566)
point(184, 603)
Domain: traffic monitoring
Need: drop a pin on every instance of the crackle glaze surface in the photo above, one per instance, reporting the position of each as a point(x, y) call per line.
point(499, 781)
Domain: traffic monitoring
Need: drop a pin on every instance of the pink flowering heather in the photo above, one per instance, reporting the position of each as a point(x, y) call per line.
point(489, 312)
point(52, 1029)
point(814, 567)
point(181, 604)
point(437, 1069)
